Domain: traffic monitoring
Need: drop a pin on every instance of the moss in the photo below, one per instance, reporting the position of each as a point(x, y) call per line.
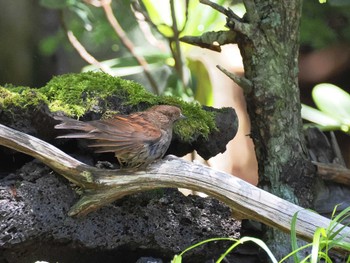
point(75, 94)
point(198, 121)
point(22, 97)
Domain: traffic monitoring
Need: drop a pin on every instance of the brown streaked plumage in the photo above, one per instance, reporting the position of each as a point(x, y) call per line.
point(137, 139)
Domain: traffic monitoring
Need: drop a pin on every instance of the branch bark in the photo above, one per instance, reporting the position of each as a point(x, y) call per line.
point(104, 186)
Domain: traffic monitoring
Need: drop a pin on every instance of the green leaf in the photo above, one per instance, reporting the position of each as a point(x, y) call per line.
point(333, 101)
point(177, 259)
point(293, 236)
point(324, 120)
point(203, 90)
point(261, 244)
point(319, 233)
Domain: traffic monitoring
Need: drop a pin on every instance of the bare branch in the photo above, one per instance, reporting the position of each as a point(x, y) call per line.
point(106, 5)
point(176, 51)
point(85, 54)
point(211, 40)
point(104, 186)
point(336, 149)
point(252, 14)
point(334, 173)
point(215, 6)
point(233, 21)
point(244, 83)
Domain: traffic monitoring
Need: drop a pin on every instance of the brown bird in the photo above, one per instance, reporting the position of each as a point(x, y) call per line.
point(137, 139)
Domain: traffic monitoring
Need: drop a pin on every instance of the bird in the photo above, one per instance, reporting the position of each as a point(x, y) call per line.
point(136, 140)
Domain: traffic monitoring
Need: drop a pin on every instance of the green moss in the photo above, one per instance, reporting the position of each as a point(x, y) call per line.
point(198, 121)
point(76, 94)
point(21, 97)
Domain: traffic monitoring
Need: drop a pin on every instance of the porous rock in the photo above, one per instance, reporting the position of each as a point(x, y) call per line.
point(35, 226)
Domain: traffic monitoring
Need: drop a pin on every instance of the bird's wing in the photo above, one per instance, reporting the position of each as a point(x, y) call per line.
point(119, 134)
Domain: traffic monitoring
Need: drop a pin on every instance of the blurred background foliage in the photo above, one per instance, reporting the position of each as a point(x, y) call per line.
point(37, 36)
point(154, 28)
point(34, 45)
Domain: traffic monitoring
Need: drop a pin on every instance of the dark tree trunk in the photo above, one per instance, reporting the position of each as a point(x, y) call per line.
point(270, 59)
point(270, 56)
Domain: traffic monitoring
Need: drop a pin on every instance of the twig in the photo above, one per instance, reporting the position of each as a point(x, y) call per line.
point(84, 54)
point(233, 21)
point(337, 150)
point(244, 83)
point(177, 54)
point(146, 24)
point(334, 173)
point(106, 5)
point(211, 40)
point(252, 14)
point(215, 6)
point(198, 41)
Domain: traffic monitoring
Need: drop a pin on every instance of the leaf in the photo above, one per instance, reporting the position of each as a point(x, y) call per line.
point(333, 101)
point(203, 90)
point(177, 259)
point(324, 120)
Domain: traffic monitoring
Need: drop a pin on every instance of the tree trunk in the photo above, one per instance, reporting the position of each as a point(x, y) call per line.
point(270, 57)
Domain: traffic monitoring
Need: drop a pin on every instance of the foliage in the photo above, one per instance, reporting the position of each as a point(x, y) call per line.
point(324, 240)
point(334, 108)
point(326, 24)
point(236, 242)
point(167, 21)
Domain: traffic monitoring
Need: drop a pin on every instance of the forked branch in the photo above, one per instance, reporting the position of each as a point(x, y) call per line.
point(104, 186)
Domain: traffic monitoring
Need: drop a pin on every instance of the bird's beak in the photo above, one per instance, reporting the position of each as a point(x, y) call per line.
point(182, 116)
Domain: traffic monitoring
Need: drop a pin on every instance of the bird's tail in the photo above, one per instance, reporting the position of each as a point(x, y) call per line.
point(71, 124)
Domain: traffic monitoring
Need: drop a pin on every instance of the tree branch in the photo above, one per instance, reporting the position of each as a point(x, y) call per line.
point(334, 173)
point(211, 40)
point(84, 54)
point(104, 186)
point(106, 5)
point(233, 21)
point(252, 14)
point(244, 83)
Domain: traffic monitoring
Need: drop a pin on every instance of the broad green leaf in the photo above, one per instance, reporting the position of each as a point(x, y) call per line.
point(333, 100)
point(203, 90)
point(319, 117)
